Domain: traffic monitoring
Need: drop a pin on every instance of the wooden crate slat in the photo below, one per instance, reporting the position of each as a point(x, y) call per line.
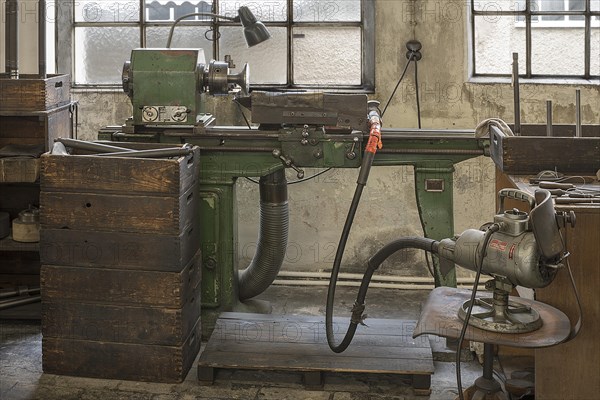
point(317, 349)
point(121, 213)
point(302, 362)
point(313, 330)
point(121, 250)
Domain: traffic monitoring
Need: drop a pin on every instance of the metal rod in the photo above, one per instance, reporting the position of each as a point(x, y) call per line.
point(198, 14)
point(488, 361)
point(476, 152)
point(42, 39)
point(548, 117)
point(159, 153)
point(91, 146)
point(18, 291)
point(19, 302)
point(517, 96)
point(577, 113)
point(569, 200)
point(236, 149)
point(11, 44)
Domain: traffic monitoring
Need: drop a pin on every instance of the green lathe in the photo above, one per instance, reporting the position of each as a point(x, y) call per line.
point(167, 88)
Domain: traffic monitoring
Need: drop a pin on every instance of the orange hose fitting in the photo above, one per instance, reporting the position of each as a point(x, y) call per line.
point(374, 142)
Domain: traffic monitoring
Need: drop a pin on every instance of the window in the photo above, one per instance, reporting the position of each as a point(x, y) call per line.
point(314, 43)
point(554, 38)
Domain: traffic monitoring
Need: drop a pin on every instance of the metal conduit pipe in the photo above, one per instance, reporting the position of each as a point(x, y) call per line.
point(272, 237)
point(11, 44)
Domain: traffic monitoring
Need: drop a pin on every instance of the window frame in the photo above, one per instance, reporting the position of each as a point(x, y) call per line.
point(66, 25)
point(528, 13)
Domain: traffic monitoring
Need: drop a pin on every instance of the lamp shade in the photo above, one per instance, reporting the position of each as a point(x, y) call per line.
point(255, 31)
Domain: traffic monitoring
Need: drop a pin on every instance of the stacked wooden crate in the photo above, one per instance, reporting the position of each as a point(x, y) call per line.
point(121, 266)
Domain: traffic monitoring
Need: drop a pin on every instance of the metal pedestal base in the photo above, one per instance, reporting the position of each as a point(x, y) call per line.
point(486, 387)
point(477, 393)
point(499, 314)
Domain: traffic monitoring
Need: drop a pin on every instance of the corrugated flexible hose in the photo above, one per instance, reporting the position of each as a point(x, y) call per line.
point(272, 237)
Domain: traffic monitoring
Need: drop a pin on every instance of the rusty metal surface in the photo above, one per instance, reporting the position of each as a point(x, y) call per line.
point(440, 317)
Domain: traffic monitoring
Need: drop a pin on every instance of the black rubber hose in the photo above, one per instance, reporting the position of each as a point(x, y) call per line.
point(335, 270)
point(374, 262)
point(272, 238)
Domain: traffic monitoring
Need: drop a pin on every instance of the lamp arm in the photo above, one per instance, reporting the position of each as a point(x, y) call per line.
point(235, 19)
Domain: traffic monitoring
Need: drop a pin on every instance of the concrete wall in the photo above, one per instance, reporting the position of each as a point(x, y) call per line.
point(388, 210)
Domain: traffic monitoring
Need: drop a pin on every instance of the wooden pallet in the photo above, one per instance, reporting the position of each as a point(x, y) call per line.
point(298, 343)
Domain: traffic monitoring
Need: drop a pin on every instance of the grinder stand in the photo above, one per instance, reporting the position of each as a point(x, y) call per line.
point(486, 387)
point(439, 317)
point(499, 313)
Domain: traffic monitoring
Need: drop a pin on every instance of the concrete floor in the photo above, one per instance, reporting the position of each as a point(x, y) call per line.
point(21, 375)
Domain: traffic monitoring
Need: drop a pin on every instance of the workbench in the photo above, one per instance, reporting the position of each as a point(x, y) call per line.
point(570, 370)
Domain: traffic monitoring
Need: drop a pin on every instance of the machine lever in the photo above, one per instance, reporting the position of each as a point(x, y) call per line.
point(288, 163)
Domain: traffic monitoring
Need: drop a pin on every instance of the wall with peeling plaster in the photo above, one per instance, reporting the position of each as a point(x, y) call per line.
point(388, 209)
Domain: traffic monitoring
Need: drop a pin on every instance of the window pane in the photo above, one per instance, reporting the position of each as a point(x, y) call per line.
point(272, 10)
point(166, 10)
point(576, 5)
point(499, 5)
point(595, 53)
point(327, 56)
point(50, 37)
point(107, 11)
point(595, 5)
point(101, 52)
point(327, 10)
point(551, 5)
point(492, 55)
point(183, 37)
point(548, 55)
point(268, 60)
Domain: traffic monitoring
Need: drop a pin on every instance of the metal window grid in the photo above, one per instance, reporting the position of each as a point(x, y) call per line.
point(366, 23)
point(529, 13)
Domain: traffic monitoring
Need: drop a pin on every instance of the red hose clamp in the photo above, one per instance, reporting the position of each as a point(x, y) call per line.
point(374, 142)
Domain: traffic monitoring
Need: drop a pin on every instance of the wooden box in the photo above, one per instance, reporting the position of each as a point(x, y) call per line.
point(118, 212)
point(111, 360)
point(143, 176)
point(121, 273)
point(117, 194)
point(143, 307)
point(19, 169)
point(31, 93)
point(149, 288)
point(520, 155)
point(121, 324)
point(35, 127)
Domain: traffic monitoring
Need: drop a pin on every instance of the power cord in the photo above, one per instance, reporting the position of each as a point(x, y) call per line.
point(488, 234)
point(299, 180)
point(417, 93)
point(396, 88)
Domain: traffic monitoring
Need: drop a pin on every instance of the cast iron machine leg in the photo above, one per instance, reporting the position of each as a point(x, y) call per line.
point(486, 387)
